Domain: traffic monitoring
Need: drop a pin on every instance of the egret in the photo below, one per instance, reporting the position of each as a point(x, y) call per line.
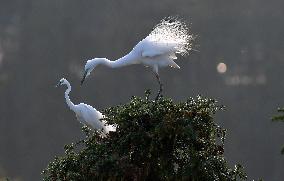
point(168, 38)
point(85, 113)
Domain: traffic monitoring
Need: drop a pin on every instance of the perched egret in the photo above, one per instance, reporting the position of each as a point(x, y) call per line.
point(168, 38)
point(85, 113)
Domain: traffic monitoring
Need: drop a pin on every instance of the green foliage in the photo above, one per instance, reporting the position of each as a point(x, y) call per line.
point(3, 179)
point(155, 140)
point(280, 118)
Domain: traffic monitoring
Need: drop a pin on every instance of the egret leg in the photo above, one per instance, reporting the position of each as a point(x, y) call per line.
point(161, 87)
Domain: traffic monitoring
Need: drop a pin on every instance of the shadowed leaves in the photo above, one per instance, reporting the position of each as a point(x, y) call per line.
point(155, 140)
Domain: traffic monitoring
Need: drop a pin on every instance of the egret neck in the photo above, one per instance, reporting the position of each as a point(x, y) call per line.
point(68, 101)
point(123, 61)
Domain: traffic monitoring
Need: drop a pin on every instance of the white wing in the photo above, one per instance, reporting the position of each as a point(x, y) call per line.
point(152, 49)
point(171, 35)
point(168, 38)
point(89, 115)
point(159, 52)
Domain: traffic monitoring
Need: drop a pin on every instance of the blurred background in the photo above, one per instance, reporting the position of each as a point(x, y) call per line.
point(240, 63)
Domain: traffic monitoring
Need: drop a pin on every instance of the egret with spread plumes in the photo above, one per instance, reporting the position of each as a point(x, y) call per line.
point(85, 113)
point(168, 38)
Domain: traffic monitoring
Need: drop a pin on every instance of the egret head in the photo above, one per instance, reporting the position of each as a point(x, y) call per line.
point(89, 67)
point(61, 82)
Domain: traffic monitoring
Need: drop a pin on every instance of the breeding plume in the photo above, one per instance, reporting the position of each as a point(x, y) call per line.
point(168, 38)
point(85, 113)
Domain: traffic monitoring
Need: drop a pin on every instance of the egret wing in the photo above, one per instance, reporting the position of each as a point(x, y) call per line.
point(90, 116)
point(154, 48)
point(164, 52)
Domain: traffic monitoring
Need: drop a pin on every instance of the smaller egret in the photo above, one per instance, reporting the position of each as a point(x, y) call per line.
point(168, 38)
point(85, 113)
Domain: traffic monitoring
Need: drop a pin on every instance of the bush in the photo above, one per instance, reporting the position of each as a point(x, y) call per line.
point(155, 140)
point(280, 118)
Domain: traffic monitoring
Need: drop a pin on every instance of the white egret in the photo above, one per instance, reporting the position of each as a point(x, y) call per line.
point(168, 38)
point(85, 113)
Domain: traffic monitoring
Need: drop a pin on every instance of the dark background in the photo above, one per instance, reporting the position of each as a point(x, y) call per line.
point(42, 41)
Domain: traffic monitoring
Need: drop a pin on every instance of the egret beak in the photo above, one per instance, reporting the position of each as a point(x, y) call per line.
point(84, 77)
point(58, 84)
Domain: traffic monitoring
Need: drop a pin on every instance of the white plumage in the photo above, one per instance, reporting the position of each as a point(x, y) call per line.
point(85, 113)
point(168, 38)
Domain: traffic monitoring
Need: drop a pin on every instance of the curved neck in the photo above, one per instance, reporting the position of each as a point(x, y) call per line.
point(123, 61)
point(68, 101)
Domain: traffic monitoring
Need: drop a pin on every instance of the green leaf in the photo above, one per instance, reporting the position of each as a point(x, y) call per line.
point(155, 140)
